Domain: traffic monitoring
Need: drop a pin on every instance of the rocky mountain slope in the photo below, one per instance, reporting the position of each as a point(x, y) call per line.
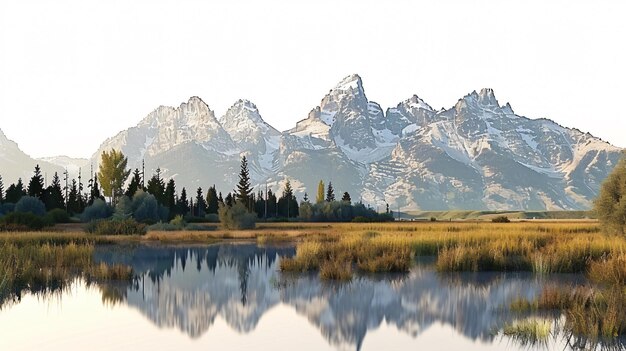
point(15, 164)
point(477, 154)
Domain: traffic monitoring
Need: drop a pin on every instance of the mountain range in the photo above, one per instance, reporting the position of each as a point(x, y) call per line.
point(477, 154)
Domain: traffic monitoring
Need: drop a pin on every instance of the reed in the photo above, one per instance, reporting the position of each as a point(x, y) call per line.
point(592, 313)
point(44, 267)
point(529, 331)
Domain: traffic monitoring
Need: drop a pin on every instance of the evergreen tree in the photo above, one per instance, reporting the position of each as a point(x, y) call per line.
point(15, 192)
point(387, 210)
point(135, 184)
point(73, 199)
point(200, 205)
point(54, 194)
point(113, 173)
point(220, 199)
point(346, 198)
point(229, 200)
point(287, 204)
point(271, 204)
point(212, 200)
point(610, 206)
point(170, 197)
point(183, 204)
point(330, 193)
point(156, 187)
point(320, 192)
point(82, 198)
point(306, 197)
point(95, 191)
point(1, 190)
point(244, 190)
point(36, 186)
point(259, 205)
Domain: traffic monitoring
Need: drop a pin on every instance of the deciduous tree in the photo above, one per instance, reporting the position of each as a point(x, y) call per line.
point(113, 172)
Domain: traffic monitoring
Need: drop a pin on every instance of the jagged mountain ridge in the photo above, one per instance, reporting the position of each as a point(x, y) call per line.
point(477, 154)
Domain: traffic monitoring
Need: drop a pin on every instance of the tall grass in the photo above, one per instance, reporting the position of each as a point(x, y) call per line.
point(530, 331)
point(45, 267)
point(556, 247)
point(593, 313)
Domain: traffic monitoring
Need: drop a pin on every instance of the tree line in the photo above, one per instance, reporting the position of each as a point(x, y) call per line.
point(119, 192)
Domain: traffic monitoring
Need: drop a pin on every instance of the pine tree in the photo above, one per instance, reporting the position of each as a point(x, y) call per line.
point(212, 200)
point(287, 204)
point(306, 197)
point(387, 211)
point(113, 173)
point(95, 190)
point(330, 193)
point(320, 192)
point(54, 194)
point(73, 199)
point(15, 192)
point(183, 204)
point(82, 198)
point(229, 200)
point(36, 186)
point(259, 205)
point(170, 196)
point(135, 184)
point(1, 190)
point(220, 199)
point(271, 204)
point(346, 198)
point(200, 206)
point(156, 187)
point(244, 190)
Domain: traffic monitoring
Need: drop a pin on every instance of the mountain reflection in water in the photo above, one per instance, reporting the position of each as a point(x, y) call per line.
point(188, 287)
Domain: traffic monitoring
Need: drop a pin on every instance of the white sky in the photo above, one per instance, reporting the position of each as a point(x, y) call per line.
point(73, 73)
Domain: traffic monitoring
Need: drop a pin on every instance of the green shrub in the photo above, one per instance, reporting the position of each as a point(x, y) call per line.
point(433, 219)
point(178, 221)
point(97, 210)
point(6, 208)
point(23, 221)
point(501, 219)
point(610, 205)
point(58, 216)
point(31, 204)
point(147, 209)
point(237, 217)
point(116, 227)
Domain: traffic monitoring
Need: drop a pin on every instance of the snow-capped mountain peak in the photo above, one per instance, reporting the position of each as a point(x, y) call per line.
point(474, 155)
point(242, 117)
point(487, 97)
point(352, 82)
point(417, 103)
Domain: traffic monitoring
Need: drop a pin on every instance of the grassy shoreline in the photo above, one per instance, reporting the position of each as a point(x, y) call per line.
point(337, 251)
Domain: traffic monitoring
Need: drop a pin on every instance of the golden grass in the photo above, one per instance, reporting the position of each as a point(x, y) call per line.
point(530, 330)
point(38, 266)
point(593, 313)
point(546, 247)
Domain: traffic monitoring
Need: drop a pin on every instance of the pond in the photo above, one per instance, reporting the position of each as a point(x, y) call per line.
point(233, 297)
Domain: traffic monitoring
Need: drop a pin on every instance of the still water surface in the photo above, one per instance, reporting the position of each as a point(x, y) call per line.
point(232, 297)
